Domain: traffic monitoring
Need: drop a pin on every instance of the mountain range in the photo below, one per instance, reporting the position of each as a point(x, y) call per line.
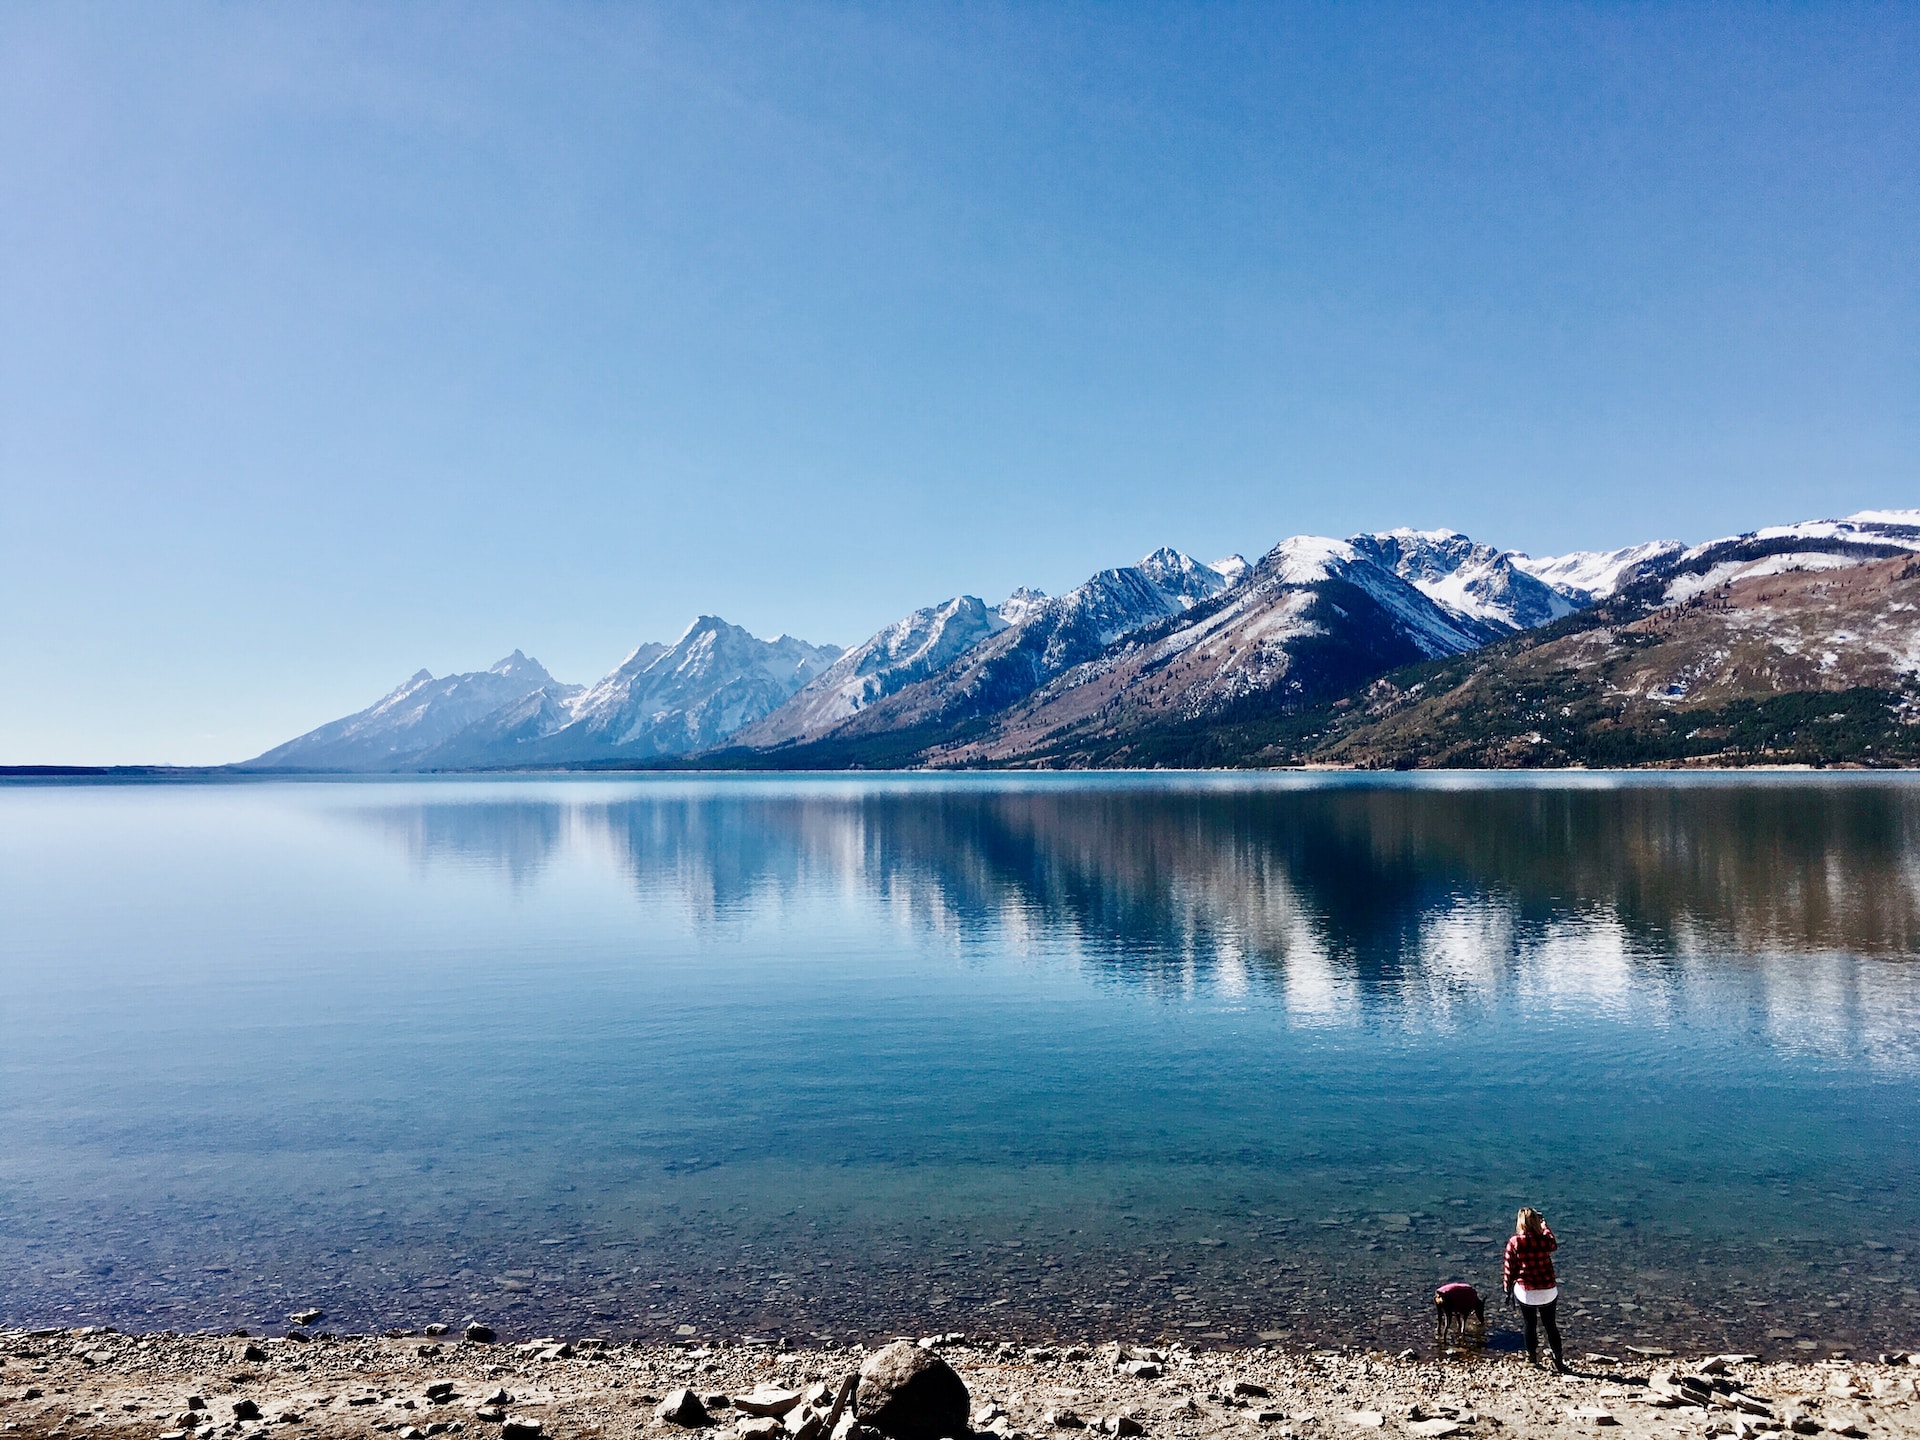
point(1398, 648)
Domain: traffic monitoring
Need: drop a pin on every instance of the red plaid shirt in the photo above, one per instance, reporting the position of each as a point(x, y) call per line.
point(1529, 1261)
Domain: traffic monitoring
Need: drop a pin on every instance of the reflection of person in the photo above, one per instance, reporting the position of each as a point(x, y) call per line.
point(1529, 1280)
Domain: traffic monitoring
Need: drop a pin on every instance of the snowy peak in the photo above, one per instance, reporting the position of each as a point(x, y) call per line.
point(1308, 559)
point(1021, 604)
point(422, 713)
point(1467, 577)
point(1118, 601)
point(669, 700)
point(1231, 568)
point(518, 667)
point(1182, 576)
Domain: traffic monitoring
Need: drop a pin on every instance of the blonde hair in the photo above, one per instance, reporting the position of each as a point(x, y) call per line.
point(1529, 1221)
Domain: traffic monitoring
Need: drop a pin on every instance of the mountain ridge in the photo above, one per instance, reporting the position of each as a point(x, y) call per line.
point(1308, 655)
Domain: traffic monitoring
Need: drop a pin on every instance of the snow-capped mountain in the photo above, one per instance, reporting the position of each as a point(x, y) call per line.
point(907, 651)
point(662, 700)
point(1467, 577)
point(1045, 636)
point(422, 713)
point(714, 680)
point(1314, 618)
point(1168, 660)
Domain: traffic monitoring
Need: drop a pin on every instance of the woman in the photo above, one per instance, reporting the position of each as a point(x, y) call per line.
point(1528, 1276)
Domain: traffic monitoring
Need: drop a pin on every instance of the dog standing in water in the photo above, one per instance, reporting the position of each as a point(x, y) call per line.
point(1452, 1304)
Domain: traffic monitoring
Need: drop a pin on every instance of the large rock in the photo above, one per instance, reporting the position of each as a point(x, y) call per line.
point(685, 1409)
point(912, 1394)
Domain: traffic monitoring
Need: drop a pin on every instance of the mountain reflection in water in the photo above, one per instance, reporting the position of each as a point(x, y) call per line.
point(1340, 900)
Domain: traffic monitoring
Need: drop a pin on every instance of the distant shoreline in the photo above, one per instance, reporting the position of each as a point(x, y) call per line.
point(243, 773)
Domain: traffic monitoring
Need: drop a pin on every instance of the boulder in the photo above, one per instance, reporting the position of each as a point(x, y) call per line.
point(480, 1334)
point(912, 1394)
point(683, 1408)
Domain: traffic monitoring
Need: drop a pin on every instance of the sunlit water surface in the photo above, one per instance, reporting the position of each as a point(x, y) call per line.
point(1086, 1057)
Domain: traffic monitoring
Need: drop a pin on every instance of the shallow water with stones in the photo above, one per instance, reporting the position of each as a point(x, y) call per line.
point(1227, 1057)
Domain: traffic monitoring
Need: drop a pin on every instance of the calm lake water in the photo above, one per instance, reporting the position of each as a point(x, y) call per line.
point(1097, 1058)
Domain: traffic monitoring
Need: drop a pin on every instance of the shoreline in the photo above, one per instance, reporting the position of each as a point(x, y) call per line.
point(98, 1381)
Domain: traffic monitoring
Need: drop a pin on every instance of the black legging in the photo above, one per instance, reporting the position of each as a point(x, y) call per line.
point(1536, 1315)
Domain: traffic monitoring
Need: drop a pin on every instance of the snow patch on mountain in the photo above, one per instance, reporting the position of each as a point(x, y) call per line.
point(1684, 587)
point(1585, 576)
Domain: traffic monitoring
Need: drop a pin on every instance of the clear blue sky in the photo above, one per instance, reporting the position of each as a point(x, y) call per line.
point(340, 340)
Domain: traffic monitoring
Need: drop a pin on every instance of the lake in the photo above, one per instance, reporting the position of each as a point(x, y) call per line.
point(1089, 1057)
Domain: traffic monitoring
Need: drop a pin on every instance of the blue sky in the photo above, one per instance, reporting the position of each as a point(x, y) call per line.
point(340, 340)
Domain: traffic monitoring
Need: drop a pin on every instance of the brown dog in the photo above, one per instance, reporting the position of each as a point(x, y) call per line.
point(1452, 1304)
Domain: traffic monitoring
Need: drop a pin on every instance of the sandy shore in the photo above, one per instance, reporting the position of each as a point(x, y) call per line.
point(94, 1382)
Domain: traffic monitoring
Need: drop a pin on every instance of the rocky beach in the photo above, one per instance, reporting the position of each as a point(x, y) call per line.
point(309, 1383)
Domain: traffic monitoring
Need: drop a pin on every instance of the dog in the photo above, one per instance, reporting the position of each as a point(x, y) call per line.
point(1452, 1304)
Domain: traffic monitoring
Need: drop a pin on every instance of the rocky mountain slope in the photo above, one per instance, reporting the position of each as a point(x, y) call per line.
point(1803, 646)
point(1769, 665)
